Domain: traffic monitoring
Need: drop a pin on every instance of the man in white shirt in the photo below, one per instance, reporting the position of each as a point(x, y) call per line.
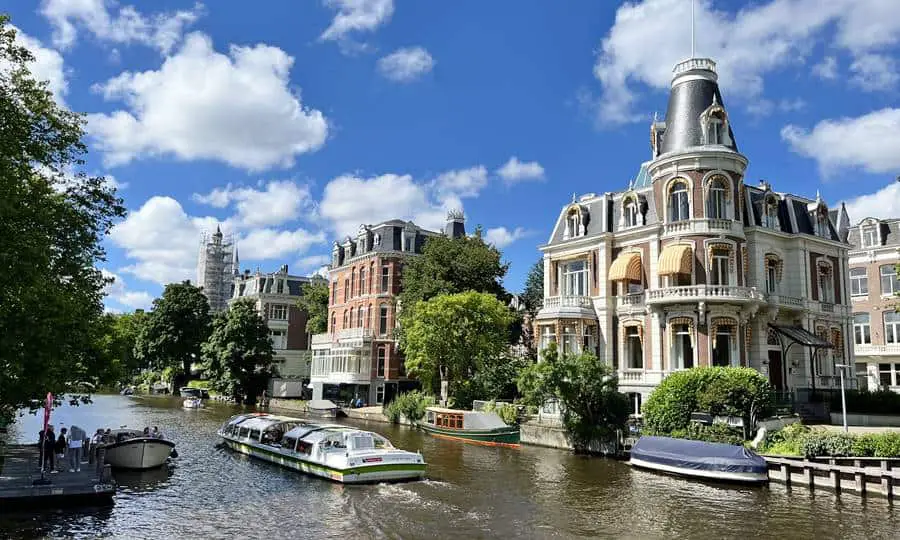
point(76, 441)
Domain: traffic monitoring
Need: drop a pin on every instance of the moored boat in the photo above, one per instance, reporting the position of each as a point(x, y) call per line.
point(478, 427)
point(322, 408)
point(711, 461)
point(192, 403)
point(339, 453)
point(133, 450)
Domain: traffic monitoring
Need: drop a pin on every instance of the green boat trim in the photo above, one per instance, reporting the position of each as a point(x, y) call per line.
point(508, 436)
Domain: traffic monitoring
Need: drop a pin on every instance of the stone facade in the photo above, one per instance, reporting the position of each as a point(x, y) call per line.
point(874, 286)
point(689, 266)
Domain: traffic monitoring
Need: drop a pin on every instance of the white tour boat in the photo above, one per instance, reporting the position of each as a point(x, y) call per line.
point(339, 453)
point(131, 449)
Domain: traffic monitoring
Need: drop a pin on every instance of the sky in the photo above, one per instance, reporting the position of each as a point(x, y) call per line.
point(291, 123)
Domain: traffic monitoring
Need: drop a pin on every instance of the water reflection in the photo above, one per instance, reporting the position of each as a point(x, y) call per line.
point(472, 492)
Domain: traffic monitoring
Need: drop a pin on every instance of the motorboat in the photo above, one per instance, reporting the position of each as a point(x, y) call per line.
point(131, 449)
point(127, 391)
point(699, 459)
point(192, 403)
point(322, 408)
point(339, 453)
point(477, 427)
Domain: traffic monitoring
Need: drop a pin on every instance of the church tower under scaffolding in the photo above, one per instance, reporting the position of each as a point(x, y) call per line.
point(215, 269)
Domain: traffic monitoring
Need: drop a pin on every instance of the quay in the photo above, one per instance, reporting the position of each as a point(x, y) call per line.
point(21, 484)
point(863, 476)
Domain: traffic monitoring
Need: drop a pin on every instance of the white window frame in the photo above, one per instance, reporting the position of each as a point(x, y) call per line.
point(826, 294)
point(548, 336)
point(278, 339)
point(862, 331)
point(869, 237)
point(630, 212)
point(575, 282)
point(717, 199)
point(677, 361)
point(633, 340)
point(383, 317)
point(733, 350)
point(678, 201)
point(278, 312)
point(771, 276)
point(888, 275)
point(379, 394)
point(569, 344)
point(859, 283)
point(719, 268)
point(891, 327)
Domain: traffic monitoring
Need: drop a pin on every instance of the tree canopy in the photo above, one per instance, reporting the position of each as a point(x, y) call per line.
point(314, 301)
point(453, 337)
point(533, 295)
point(175, 329)
point(52, 222)
point(238, 356)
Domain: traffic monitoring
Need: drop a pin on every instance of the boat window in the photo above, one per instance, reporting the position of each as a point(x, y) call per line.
point(254, 434)
point(430, 417)
point(244, 432)
point(304, 447)
point(380, 442)
point(362, 442)
point(288, 443)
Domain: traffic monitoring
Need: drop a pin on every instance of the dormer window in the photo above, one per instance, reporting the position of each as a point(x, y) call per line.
point(714, 121)
point(716, 199)
point(630, 211)
point(770, 213)
point(822, 228)
point(576, 222)
point(679, 205)
point(377, 239)
point(714, 129)
point(870, 237)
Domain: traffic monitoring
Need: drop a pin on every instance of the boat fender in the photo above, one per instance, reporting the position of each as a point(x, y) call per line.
point(174, 453)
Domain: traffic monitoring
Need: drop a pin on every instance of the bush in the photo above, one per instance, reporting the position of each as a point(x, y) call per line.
point(716, 433)
point(887, 445)
point(865, 402)
point(798, 440)
point(731, 391)
point(410, 405)
point(507, 412)
point(820, 443)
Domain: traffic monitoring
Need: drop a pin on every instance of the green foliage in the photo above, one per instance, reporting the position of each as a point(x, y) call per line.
point(175, 330)
point(411, 405)
point(454, 337)
point(587, 390)
point(238, 355)
point(533, 295)
point(717, 433)
point(866, 402)
point(826, 444)
point(732, 391)
point(799, 440)
point(507, 412)
point(314, 301)
point(497, 380)
point(52, 224)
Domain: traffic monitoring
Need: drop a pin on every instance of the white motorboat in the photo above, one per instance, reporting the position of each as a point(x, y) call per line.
point(339, 453)
point(192, 403)
point(133, 450)
point(699, 459)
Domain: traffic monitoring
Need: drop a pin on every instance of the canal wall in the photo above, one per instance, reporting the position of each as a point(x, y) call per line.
point(551, 434)
point(298, 405)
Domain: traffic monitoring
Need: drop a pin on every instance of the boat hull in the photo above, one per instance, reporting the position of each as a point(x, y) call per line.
point(322, 413)
point(721, 476)
point(367, 474)
point(139, 454)
point(495, 437)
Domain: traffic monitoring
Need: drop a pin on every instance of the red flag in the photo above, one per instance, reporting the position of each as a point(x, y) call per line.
point(47, 406)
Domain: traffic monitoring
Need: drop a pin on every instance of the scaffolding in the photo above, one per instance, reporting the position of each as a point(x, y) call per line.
point(215, 268)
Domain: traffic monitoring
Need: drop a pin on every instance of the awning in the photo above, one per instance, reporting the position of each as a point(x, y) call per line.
point(802, 336)
point(627, 266)
point(676, 259)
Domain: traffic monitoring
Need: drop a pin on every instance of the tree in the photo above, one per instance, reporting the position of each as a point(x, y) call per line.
point(238, 355)
point(175, 330)
point(533, 295)
point(314, 301)
point(455, 336)
point(52, 223)
point(593, 410)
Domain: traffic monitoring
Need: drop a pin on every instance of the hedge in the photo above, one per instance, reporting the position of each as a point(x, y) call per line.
point(799, 440)
point(866, 402)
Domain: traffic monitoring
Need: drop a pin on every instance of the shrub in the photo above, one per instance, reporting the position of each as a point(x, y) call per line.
point(820, 443)
point(887, 445)
point(717, 433)
point(866, 402)
point(741, 392)
point(799, 440)
point(864, 445)
point(411, 405)
point(507, 412)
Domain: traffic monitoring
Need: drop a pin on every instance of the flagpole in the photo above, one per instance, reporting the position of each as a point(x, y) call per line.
point(692, 28)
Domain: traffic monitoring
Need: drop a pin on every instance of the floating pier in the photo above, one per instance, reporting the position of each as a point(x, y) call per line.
point(21, 482)
point(863, 476)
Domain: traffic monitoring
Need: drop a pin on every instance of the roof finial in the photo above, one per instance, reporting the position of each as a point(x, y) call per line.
point(818, 197)
point(573, 196)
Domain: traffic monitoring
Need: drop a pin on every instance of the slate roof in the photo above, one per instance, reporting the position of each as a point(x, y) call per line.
point(687, 101)
point(890, 234)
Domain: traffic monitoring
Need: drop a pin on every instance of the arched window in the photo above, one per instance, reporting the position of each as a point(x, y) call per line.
point(575, 222)
point(826, 283)
point(630, 211)
point(716, 199)
point(679, 206)
point(770, 213)
point(716, 127)
point(363, 284)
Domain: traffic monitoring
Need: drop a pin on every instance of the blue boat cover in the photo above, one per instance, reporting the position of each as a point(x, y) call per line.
point(697, 455)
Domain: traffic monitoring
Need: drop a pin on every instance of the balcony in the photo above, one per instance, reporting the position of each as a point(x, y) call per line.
point(890, 349)
point(703, 226)
point(630, 302)
point(567, 306)
point(791, 302)
point(354, 333)
point(320, 339)
point(568, 301)
point(698, 293)
point(640, 376)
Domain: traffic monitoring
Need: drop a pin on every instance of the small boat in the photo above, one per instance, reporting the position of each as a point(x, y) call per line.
point(127, 391)
point(478, 427)
point(188, 392)
point(192, 403)
point(132, 450)
point(322, 408)
point(711, 461)
point(338, 453)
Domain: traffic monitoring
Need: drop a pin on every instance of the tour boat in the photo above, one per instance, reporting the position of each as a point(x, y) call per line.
point(322, 408)
point(192, 403)
point(478, 427)
point(187, 392)
point(698, 459)
point(339, 453)
point(133, 450)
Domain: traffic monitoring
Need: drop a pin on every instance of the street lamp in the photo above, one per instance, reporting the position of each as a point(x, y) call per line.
point(843, 398)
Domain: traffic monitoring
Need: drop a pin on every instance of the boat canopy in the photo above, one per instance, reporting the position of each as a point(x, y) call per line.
point(697, 455)
point(474, 419)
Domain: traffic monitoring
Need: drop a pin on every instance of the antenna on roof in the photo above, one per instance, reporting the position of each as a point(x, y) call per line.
point(692, 28)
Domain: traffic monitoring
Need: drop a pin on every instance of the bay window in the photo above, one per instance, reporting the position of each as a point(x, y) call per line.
point(575, 279)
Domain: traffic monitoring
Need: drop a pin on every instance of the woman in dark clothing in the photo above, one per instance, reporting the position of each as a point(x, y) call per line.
point(62, 443)
point(49, 442)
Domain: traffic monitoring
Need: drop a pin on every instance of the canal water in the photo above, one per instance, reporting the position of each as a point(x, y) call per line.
point(471, 492)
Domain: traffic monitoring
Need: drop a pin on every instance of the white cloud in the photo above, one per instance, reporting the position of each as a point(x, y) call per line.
point(161, 31)
point(461, 182)
point(502, 237)
point(311, 264)
point(868, 142)
point(883, 204)
point(405, 65)
point(47, 66)
point(279, 202)
point(356, 16)
point(764, 107)
point(241, 109)
point(651, 36)
point(518, 171)
point(826, 69)
point(262, 244)
point(875, 72)
point(118, 292)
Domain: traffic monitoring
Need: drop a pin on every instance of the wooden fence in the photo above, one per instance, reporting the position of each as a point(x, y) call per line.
point(863, 476)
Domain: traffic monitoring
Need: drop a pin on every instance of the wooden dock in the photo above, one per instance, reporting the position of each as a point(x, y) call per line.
point(863, 476)
point(20, 481)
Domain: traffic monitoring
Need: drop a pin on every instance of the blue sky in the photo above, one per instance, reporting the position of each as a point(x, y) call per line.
point(293, 122)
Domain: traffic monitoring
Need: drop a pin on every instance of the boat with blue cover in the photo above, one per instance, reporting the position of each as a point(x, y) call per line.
point(699, 459)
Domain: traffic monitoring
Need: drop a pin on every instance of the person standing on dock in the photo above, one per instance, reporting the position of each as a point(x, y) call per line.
point(62, 443)
point(50, 450)
point(76, 441)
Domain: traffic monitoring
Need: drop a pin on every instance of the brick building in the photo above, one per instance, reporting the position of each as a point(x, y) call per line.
point(874, 286)
point(689, 266)
point(358, 356)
